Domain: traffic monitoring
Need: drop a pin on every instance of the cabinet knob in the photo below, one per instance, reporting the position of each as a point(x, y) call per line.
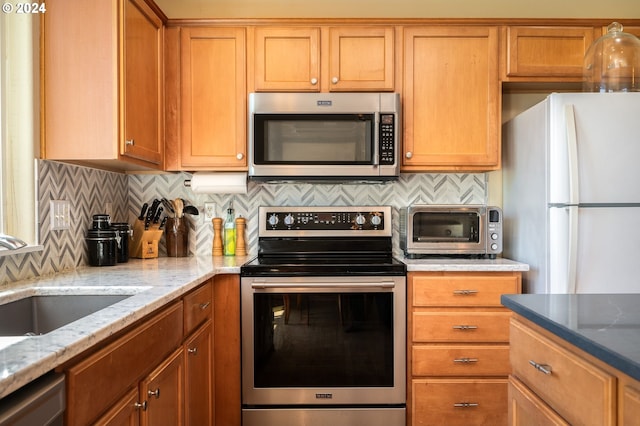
point(192, 351)
point(239, 156)
point(141, 405)
point(314, 81)
point(155, 393)
point(335, 80)
point(129, 142)
point(409, 154)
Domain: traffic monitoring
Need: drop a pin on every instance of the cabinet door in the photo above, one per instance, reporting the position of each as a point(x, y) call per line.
point(199, 377)
point(361, 58)
point(125, 412)
point(630, 406)
point(451, 99)
point(163, 391)
point(287, 59)
point(142, 66)
point(525, 408)
point(213, 107)
point(544, 52)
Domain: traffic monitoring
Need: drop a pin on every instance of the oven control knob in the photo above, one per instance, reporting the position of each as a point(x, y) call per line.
point(376, 220)
point(494, 246)
point(494, 236)
point(289, 220)
point(273, 220)
point(360, 220)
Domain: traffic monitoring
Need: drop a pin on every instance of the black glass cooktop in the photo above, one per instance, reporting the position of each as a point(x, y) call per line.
point(323, 266)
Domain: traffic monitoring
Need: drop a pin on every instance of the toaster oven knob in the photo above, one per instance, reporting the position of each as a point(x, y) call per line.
point(494, 236)
point(494, 246)
point(273, 220)
point(376, 220)
point(289, 220)
point(360, 220)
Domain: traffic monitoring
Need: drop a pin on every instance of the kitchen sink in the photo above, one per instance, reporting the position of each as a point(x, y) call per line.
point(41, 314)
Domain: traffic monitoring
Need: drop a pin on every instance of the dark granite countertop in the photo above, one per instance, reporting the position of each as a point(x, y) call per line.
point(606, 326)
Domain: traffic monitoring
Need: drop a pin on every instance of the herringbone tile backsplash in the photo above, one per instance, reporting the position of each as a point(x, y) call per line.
point(88, 190)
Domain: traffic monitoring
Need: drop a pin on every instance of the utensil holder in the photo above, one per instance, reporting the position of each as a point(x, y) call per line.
point(177, 237)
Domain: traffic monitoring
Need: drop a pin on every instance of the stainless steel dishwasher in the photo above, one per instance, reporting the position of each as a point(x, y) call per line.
point(39, 403)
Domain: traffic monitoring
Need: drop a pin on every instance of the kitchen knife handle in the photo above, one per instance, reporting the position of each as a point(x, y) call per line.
point(143, 211)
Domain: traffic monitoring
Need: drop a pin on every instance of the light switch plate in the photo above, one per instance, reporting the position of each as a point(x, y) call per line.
point(60, 214)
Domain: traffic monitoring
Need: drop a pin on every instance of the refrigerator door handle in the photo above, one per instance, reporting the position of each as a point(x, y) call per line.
point(572, 147)
point(572, 255)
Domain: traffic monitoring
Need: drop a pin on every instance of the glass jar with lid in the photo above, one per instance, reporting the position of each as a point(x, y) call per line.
point(612, 62)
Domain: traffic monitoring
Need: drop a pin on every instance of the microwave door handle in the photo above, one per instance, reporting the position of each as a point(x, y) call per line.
point(322, 285)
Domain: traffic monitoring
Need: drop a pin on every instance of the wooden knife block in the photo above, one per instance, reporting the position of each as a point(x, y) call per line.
point(144, 244)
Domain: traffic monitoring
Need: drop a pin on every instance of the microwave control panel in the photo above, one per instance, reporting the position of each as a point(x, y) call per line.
point(387, 139)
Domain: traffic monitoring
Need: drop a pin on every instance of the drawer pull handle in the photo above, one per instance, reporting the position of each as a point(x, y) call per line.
point(465, 292)
point(204, 306)
point(465, 327)
point(543, 368)
point(155, 393)
point(465, 360)
point(192, 351)
point(465, 404)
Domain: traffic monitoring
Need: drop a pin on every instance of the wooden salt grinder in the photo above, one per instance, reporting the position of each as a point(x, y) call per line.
point(241, 224)
point(217, 237)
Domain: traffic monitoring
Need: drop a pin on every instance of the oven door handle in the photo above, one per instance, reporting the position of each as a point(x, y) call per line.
point(257, 285)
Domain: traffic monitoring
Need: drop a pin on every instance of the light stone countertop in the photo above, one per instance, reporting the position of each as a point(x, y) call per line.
point(153, 283)
point(450, 264)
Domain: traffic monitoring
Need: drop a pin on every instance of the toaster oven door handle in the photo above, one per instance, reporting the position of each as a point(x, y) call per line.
point(322, 285)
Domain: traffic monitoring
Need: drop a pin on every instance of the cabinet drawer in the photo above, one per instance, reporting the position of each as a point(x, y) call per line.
point(525, 408)
point(96, 382)
point(461, 327)
point(464, 402)
point(197, 307)
point(460, 360)
point(463, 290)
point(579, 391)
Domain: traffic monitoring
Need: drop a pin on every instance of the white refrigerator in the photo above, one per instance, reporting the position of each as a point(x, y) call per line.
point(571, 193)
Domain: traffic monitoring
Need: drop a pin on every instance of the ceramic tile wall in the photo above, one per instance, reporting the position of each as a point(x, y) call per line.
point(88, 190)
point(409, 189)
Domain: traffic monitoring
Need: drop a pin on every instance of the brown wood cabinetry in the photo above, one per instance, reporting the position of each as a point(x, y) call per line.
point(458, 347)
point(206, 99)
point(103, 94)
point(451, 98)
point(555, 383)
point(315, 59)
point(545, 53)
point(159, 372)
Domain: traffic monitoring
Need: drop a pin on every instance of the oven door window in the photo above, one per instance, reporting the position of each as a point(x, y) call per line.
point(430, 227)
point(314, 138)
point(323, 340)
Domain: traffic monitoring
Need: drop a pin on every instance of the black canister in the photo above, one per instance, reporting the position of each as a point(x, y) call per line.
point(123, 235)
point(102, 247)
point(101, 221)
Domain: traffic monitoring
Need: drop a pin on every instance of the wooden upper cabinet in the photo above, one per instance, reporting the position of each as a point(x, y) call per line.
point(102, 75)
point(287, 59)
point(143, 109)
point(534, 53)
point(361, 58)
point(322, 59)
point(213, 99)
point(451, 98)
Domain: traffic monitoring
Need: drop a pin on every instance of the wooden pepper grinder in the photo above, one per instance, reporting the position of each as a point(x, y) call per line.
point(241, 224)
point(217, 236)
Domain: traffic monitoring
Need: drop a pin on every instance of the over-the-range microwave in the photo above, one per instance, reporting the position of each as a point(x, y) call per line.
point(326, 136)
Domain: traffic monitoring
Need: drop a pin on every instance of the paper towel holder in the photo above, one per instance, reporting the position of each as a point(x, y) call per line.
point(218, 183)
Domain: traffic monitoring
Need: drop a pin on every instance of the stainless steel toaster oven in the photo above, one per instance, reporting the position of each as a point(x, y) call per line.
point(463, 230)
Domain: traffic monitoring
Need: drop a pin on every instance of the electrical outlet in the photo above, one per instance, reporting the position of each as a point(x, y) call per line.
point(209, 211)
point(60, 214)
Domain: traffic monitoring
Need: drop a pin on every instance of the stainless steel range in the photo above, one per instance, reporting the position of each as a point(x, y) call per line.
point(324, 320)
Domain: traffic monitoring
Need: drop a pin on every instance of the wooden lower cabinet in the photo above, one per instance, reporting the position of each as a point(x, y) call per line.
point(458, 347)
point(555, 383)
point(160, 372)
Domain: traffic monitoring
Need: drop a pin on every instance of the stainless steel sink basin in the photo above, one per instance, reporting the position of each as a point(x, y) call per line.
point(41, 314)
